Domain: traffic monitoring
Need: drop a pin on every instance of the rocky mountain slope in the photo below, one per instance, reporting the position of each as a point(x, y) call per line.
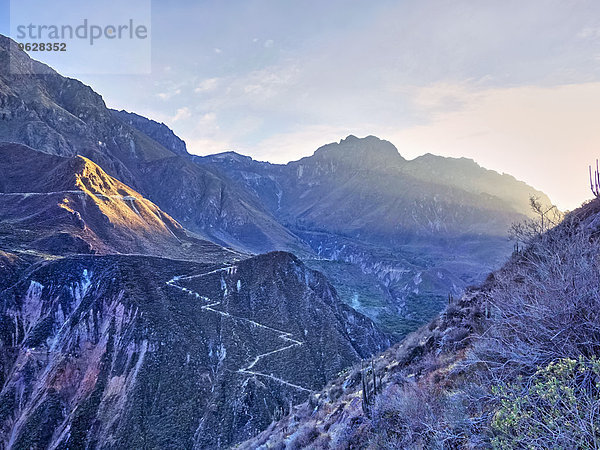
point(62, 205)
point(386, 198)
point(158, 132)
point(511, 364)
point(104, 344)
point(62, 116)
point(134, 351)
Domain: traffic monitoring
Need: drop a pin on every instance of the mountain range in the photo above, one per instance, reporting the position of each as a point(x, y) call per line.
point(396, 237)
point(411, 233)
point(64, 117)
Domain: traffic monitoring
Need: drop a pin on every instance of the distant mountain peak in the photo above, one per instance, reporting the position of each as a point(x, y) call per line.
point(349, 138)
point(353, 138)
point(368, 152)
point(231, 155)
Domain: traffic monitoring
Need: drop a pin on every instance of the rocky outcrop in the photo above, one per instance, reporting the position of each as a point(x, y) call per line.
point(159, 132)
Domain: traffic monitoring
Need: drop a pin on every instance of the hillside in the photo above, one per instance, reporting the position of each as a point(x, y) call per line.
point(511, 364)
point(134, 351)
point(60, 205)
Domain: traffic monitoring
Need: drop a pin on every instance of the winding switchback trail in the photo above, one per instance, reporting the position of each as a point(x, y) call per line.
point(211, 304)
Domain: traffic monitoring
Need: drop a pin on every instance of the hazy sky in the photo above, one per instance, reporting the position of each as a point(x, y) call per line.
point(514, 85)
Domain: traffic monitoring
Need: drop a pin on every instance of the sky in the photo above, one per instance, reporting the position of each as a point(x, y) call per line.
point(513, 85)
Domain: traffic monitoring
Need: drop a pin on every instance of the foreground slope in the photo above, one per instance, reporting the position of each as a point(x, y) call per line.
point(511, 364)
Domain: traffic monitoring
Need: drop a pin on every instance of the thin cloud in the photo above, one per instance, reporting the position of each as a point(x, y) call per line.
point(405, 71)
point(207, 85)
point(546, 136)
point(168, 95)
point(181, 114)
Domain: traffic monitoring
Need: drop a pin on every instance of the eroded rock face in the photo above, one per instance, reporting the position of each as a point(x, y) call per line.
point(411, 232)
point(123, 351)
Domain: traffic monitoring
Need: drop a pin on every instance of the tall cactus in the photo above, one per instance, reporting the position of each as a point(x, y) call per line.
point(595, 181)
point(374, 379)
point(365, 395)
point(369, 391)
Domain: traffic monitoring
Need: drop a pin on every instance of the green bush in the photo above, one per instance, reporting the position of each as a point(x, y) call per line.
point(559, 407)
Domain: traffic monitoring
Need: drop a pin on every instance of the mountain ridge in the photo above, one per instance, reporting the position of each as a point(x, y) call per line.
point(428, 159)
point(62, 116)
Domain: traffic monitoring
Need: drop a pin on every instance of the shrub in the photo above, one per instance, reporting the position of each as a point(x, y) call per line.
point(416, 416)
point(303, 437)
point(554, 313)
point(557, 408)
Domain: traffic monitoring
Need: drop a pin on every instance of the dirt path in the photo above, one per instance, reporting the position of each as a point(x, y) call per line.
point(211, 304)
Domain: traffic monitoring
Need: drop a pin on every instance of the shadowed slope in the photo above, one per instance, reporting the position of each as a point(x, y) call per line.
point(134, 351)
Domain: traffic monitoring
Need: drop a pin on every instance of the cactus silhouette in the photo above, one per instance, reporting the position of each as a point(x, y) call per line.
point(595, 181)
point(369, 389)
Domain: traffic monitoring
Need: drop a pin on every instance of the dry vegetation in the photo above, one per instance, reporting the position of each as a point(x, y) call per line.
point(512, 364)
